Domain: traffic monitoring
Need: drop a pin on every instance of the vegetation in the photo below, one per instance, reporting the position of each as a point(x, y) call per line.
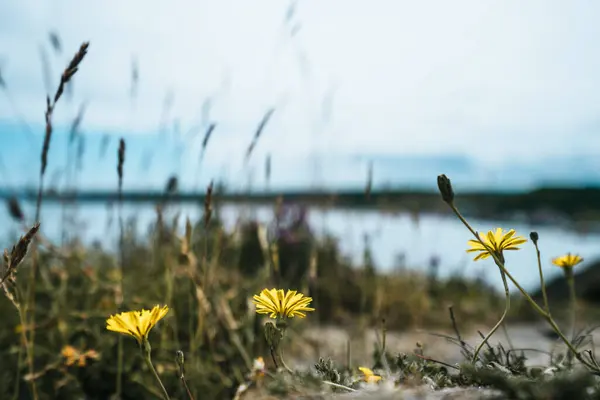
point(200, 312)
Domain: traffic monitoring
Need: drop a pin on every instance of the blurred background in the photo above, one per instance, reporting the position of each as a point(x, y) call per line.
point(312, 97)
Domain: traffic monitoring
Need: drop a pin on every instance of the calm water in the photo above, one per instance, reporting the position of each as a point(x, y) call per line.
point(391, 236)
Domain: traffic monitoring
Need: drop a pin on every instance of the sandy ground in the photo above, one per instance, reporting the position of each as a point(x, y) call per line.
point(333, 342)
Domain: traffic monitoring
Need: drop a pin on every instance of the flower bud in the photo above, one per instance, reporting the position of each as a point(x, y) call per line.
point(534, 237)
point(445, 188)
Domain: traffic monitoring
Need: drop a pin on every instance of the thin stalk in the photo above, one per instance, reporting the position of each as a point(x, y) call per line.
point(532, 302)
point(26, 343)
point(337, 385)
point(280, 351)
point(201, 314)
point(30, 300)
point(500, 322)
point(572, 299)
point(187, 389)
point(542, 283)
point(276, 345)
point(146, 350)
point(18, 372)
point(119, 367)
point(510, 344)
point(120, 297)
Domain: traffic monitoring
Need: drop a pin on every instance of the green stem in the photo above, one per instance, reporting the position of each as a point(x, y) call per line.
point(288, 369)
point(532, 302)
point(29, 356)
point(542, 283)
point(120, 367)
point(146, 350)
point(282, 326)
point(187, 388)
point(501, 321)
point(572, 298)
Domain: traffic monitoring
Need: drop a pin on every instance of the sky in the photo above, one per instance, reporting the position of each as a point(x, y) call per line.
point(491, 92)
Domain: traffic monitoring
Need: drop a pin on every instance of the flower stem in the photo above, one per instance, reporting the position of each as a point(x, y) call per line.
point(282, 326)
point(533, 303)
point(573, 299)
point(120, 367)
point(500, 322)
point(542, 283)
point(187, 388)
point(288, 369)
point(146, 350)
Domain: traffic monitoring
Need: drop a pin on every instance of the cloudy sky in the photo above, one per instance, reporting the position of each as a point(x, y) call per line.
point(470, 88)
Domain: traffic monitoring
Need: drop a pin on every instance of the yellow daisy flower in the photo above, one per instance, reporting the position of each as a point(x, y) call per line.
point(495, 242)
point(567, 261)
point(136, 323)
point(73, 356)
point(278, 304)
point(369, 376)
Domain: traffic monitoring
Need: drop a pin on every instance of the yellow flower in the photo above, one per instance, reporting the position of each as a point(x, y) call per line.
point(258, 367)
point(567, 261)
point(277, 304)
point(72, 356)
point(136, 323)
point(495, 242)
point(369, 376)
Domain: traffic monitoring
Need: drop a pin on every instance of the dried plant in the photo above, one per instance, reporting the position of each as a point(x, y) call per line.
point(206, 138)
point(67, 75)
point(259, 130)
point(208, 204)
point(120, 293)
point(120, 163)
point(13, 259)
point(15, 210)
point(55, 41)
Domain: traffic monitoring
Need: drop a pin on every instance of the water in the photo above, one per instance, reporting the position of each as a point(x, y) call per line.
point(391, 235)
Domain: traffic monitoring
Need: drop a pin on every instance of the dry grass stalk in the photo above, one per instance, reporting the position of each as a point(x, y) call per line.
point(71, 70)
point(55, 42)
point(208, 205)
point(268, 170)
point(68, 73)
point(120, 164)
point(9, 285)
point(15, 210)
point(172, 185)
point(66, 76)
point(207, 136)
point(119, 294)
point(18, 252)
point(76, 124)
point(259, 131)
